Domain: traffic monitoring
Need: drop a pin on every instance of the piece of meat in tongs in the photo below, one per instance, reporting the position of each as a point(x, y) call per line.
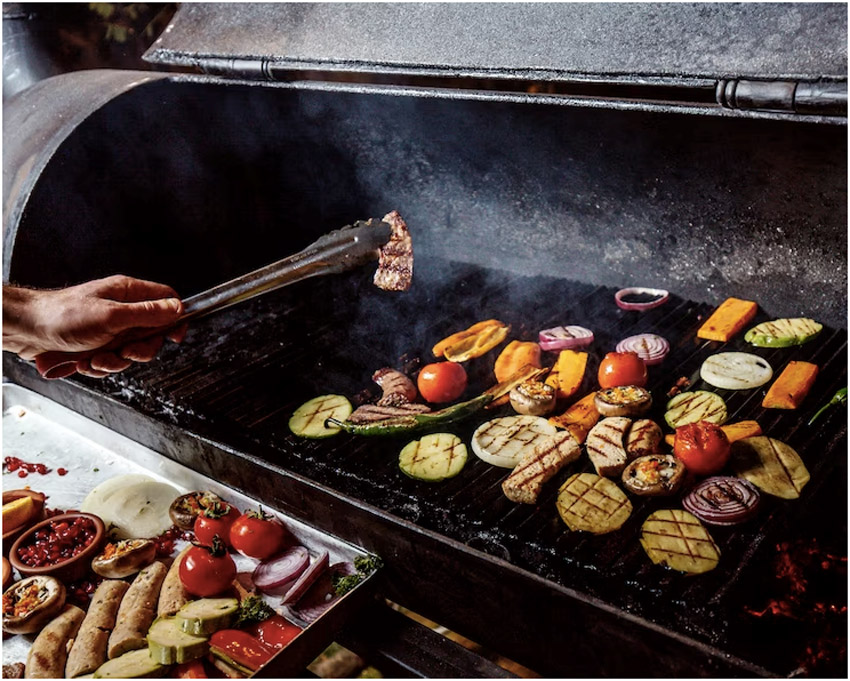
point(395, 259)
point(386, 240)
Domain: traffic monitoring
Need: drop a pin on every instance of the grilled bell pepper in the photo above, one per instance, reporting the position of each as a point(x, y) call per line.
point(241, 650)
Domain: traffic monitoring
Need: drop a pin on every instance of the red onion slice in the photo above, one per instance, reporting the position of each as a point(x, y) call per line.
point(305, 581)
point(661, 297)
point(565, 338)
point(650, 348)
point(280, 572)
point(320, 596)
point(723, 500)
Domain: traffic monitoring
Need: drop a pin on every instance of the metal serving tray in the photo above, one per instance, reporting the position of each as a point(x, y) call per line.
point(37, 429)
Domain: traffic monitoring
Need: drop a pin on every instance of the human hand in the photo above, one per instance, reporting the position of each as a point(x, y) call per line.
point(85, 318)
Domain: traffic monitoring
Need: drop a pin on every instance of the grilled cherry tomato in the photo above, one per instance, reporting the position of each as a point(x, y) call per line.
point(258, 535)
point(441, 381)
point(703, 447)
point(207, 570)
point(215, 520)
point(622, 368)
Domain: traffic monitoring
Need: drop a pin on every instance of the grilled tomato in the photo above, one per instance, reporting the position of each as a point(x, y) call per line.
point(215, 520)
point(441, 382)
point(622, 368)
point(702, 446)
point(207, 571)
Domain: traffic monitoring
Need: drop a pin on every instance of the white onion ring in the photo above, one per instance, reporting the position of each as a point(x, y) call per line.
point(652, 349)
point(662, 297)
point(723, 500)
point(565, 338)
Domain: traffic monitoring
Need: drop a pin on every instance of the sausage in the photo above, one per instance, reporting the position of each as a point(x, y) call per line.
point(46, 659)
point(137, 610)
point(173, 594)
point(89, 649)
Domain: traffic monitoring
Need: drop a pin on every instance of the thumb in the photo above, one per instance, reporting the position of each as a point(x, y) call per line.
point(145, 313)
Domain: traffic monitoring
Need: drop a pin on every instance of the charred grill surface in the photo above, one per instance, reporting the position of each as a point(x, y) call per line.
point(239, 376)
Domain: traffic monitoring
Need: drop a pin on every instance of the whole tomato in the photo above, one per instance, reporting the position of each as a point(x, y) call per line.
point(703, 447)
point(258, 535)
point(622, 368)
point(215, 520)
point(441, 381)
point(207, 570)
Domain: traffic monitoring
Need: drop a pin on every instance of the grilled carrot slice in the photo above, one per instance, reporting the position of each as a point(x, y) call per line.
point(728, 319)
point(790, 389)
point(440, 348)
point(568, 373)
point(516, 355)
point(579, 418)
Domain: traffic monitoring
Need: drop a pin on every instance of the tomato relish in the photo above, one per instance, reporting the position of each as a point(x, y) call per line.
point(58, 541)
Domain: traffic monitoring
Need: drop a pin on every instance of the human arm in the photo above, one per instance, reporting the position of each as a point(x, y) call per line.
point(89, 316)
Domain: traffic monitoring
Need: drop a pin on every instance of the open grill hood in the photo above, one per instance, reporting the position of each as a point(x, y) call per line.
point(530, 209)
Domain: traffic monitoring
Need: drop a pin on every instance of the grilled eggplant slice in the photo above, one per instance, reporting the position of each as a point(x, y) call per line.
point(783, 333)
point(691, 407)
point(593, 504)
point(736, 371)
point(504, 441)
point(435, 457)
point(309, 419)
point(772, 466)
point(678, 540)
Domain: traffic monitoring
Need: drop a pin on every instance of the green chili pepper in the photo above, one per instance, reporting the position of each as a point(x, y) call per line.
point(838, 398)
point(416, 422)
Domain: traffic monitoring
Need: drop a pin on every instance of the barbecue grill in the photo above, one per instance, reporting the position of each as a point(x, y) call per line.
point(544, 156)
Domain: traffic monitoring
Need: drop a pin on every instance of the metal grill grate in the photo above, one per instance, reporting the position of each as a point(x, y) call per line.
point(243, 372)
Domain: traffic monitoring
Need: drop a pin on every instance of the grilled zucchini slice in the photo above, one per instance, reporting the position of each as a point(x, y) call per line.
point(678, 540)
point(504, 441)
point(783, 333)
point(593, 504)
point(772, 466)
point(435, 457)
point(309, 419)
point(699, 405)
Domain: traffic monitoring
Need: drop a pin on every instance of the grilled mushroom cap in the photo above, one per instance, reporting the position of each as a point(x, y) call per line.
point(627, 400)
point(124, 558)
point(184, 509)
point(38, 600)
point(654, 475)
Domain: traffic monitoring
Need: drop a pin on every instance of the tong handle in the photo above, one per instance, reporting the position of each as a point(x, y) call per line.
point(337, 251)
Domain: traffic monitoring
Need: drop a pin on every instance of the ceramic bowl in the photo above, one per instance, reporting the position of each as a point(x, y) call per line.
point(64, 569)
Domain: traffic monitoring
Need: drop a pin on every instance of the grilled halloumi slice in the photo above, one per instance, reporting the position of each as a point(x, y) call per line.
point(772, 466)
point(540, 464)
point(644, 439)
point(605, 445)
point(592, 503)
point(677, 539)
point(504, 441)
point(700, 405)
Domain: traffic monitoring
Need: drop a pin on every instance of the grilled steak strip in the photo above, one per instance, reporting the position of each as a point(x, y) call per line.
point(395, 259)
point(373, 413)
point(398, 388)
point(526, 481)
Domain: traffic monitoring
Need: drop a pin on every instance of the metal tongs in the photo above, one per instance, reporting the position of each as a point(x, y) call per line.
point(335, 252)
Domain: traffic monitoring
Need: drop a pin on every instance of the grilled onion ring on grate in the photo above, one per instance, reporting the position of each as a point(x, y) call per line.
point(723, 500)
point(661, 297)
point(650, 347)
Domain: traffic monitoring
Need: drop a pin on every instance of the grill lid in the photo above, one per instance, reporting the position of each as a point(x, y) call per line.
point(786, 56)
